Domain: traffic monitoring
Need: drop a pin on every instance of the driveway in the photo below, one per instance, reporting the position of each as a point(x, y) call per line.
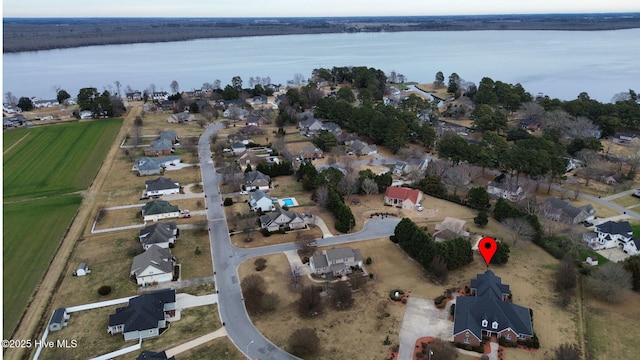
point(422, 318)
point(614, 254)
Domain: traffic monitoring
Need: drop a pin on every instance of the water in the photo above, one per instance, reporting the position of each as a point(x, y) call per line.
point(557, 63)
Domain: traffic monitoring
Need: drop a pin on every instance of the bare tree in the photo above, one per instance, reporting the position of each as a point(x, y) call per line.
point(349, 185)
point(581, 127)
point(518, 229)
point(294, 277)
point(552, 228)
point(588, 158)
point(303, 342)
point(152, 89)
point(175, 88)
point(298, 78)
point(342, 297)
point(118, 85)
point(567, 352)
point(438, 269)
point(306, 244)
point(322, 196)
point(310, 302)
point(369, 186)
point(216, 84)
point(610, 282)
point(533, 111)
point(393, 76)
point(455, 178)
point(10, 98)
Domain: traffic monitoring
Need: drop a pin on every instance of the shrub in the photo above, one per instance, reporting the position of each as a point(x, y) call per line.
point(197, 251)
point(104, 290)
point(260, 263)
point(228, 201)
point(439, 299)
point(392, 294)
point(304, 342)
point(265, 232)
point(393, 239)
point(368, 261)
point(452, 310)
point(504, 342)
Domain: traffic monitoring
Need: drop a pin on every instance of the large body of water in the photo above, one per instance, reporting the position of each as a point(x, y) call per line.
point(557, 63)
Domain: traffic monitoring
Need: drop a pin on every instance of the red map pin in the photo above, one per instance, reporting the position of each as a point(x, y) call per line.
point(487, 247)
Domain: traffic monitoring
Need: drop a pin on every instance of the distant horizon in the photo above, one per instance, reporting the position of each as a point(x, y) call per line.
point(320, 17)
point(295, 8)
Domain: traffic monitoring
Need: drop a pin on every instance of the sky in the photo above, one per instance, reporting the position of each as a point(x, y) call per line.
point(301, 8)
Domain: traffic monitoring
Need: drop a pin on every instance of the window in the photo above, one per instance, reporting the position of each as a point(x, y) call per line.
point(508, 336)
point(467, 341)
point(494, 325)
point(485, 323)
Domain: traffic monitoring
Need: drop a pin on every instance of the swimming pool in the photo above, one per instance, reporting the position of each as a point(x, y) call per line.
point(288, 201)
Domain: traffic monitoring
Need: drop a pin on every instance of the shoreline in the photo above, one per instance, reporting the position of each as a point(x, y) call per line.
point(26, 34)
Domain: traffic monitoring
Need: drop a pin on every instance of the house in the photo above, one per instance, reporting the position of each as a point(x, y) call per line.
point(82, 270)
point(259, 201)
point(609, 235)
point(255, 180)
point(160, 96)
point(134, 96)
point(161, 186)
point(159, 209)
point(259, 100)
point(361, 148)
point(337, 261)
point(39, 104)
point(310, 152)
point(623, 138)
point(281, 219)
point(488, 312)
point(509, 192)
point(150, 355)
point(410, 165)
point(450, 228)
point(86, 114)
point(181, 118)
point(402, 197)
point(159, 147)
point(632, 247)
point(257, 120)
point(154, 266)
point(564, 211)
point(529, 124)
point(332, 128)
point(346, 138)
point(310, 125)
point(162, 234)
point(154, 166)
point(11, 109)
point(58, 319)
point(238, 147)
point(145, 316)
point(166, 105)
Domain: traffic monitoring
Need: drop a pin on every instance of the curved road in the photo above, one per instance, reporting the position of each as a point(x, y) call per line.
point(226, 259)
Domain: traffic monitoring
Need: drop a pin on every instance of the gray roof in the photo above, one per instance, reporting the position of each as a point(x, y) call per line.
point(160, 235)
point(251, 176)
point(489, 285)
point(343, 253)
point(331, 126)
point(169, 225)
point(160, 145)
point(471, 311)
point(618, 228)
point(150, 355)
point(170, 134)
point(267, 219)
point(158, 207)
point(319, 260)
point(161, 183)
point(259, 194)
point(504, 186)
point(154, 256)
point(143, 312)
point(58, 316)
point(566, 207)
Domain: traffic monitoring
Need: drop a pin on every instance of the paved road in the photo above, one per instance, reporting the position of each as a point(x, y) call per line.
point(226, 259)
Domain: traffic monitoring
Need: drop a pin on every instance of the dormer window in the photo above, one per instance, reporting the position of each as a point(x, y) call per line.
point(485, 323)
point(494, 325)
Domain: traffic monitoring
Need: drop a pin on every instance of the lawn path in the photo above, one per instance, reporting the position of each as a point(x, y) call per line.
point(14, 144)
point(29, 325)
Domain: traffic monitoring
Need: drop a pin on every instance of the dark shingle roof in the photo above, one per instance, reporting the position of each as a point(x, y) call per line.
point(161, 183)
point(489, 285)
point(169, 225)
point(155, 256)
point(149, 355)
point(58, 316)
point(619, 228)
point(251, 176)
point(158, 207)
point(143, 312)
point(471, 311)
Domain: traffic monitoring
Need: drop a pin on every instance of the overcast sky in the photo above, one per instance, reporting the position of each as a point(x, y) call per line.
point(284, 8)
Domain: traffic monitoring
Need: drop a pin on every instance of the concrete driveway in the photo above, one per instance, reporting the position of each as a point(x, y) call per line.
point(422, 318)
point(614, 254)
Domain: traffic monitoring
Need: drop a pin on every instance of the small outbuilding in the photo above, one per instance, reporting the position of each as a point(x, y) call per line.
point(82, 270)
point(58, 319)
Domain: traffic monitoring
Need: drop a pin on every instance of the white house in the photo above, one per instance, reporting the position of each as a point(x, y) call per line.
point(632, 247)
point(282, 220)
point(161, 186)
point(82, 270)
point(255, 180)
point(58, 319)
point(159, 209)
point(154, 266)
point(259, 201)
point(162, 234)
point(145, 315)
point(506, 191)
point(402, 197)
point(610, 235)
point(337, 261)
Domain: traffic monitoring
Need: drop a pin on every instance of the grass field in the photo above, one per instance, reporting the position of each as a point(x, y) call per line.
point(32, 232)
point(55, 160)
point(43, 166)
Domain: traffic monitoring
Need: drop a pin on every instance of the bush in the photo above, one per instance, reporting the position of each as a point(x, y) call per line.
point(228, 201)
point(304, 342)
point(392, 294)
point(368, 261)
point(504, 342)
point(197, 251)
point(440, 301)
point(104, 290)
point(260, 263)
point(265, 232)
point(452, 310)
point(393, 239)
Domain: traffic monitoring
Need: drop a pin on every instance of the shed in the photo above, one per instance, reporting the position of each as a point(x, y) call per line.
point(58, 319)
point(82, 270)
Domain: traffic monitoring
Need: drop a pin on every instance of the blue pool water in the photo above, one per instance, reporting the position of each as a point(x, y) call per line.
point(288, 202)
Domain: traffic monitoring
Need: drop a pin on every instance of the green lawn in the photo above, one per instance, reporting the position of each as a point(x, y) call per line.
point(636, 230)
point(32, 231)
point(48, 162)
point(55, 160)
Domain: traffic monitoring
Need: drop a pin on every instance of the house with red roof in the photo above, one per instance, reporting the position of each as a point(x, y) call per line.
point(403, 197)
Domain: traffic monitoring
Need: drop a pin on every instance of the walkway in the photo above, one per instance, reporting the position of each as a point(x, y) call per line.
point(177, 284)
point(196, 342)
point(317, 220)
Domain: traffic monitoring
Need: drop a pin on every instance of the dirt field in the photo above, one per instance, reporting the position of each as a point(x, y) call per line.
point(528, 273)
